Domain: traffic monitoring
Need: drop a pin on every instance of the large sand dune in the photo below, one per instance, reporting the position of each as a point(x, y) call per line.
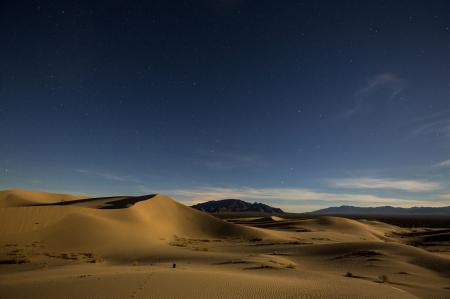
point(152, 219)
point(54, 246)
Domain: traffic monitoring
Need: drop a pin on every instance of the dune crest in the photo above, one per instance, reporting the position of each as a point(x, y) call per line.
point(22, 198)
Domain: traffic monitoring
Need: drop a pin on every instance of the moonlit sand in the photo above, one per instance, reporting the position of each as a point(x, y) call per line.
point(61, 246)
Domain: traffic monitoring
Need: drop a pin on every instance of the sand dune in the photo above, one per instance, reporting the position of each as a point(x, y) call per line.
point(78, 226)
point(21, 198)
point(54, 246)
point(359, 229)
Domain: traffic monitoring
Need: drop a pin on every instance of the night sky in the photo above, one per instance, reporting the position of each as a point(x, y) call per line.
point(299, 104)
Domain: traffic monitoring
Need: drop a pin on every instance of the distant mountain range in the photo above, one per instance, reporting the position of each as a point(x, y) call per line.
point(385, 210)
point(235, 205)
point(240, 206)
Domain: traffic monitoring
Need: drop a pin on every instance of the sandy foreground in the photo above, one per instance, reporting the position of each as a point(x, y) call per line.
point(64, 246)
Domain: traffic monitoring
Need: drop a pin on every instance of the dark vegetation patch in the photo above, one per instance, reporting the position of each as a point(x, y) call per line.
point(278, 253)
point(230, 262)
point(383, 278)
point(255, 240)
point(259, 267)
point(352, 275)
point(410, 221)
point(320, 239)
point(349, 274)
point(88, 257)
point(373, 260)
point(359, 253)
point(16, 256)
point(302, 230)
point(424, 234)
point(16, 260)
point(282, 243)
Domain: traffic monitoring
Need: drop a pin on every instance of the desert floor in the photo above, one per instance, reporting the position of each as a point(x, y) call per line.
point(61, 246)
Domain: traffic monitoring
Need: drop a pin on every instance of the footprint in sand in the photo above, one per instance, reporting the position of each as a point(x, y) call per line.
point(141, 286)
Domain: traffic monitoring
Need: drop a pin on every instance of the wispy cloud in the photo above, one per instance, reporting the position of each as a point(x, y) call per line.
point(294, 199)
point(389, 82)
point(107, 176)
point(445, 163)
point(436, 123)
point(385, 183)
point(439, 127)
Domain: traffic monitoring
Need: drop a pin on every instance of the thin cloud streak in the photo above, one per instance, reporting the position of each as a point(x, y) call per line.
point(383, 183)
point(108, 176)
point(384, 81)
point(445, 163)
point(440, 127)
point(437, 124)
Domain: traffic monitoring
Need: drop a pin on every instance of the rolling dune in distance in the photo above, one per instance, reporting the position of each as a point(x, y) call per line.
point(55, 246)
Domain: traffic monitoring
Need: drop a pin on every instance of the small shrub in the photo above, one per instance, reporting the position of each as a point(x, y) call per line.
point(290, 266)
point(200, 249)
point(88, 255)
point(255, 239)
point(177, 244)
point(64, 256)
point(16, 260)
point(383, 278)
point(96, 260)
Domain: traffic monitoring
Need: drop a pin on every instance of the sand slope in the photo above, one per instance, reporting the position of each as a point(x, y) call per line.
point(156, 220)
point(124, 247)
point(202, 282)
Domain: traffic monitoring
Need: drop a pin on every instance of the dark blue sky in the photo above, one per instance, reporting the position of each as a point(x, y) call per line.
point(301, 104)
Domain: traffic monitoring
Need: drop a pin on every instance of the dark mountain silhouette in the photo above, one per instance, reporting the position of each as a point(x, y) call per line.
point(235, 205)
point(385, 210)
